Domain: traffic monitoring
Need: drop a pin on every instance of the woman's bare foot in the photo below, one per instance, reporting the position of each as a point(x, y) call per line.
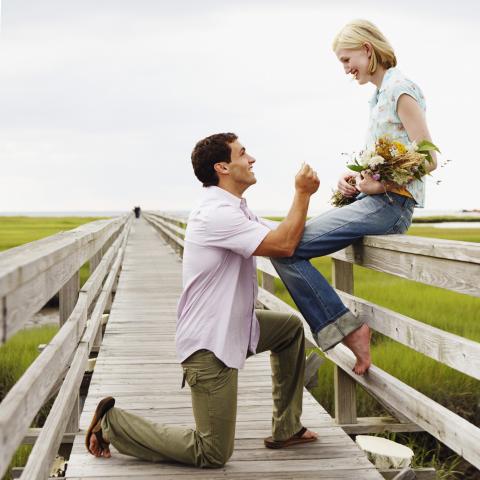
point(358, 342)
point(97, 450)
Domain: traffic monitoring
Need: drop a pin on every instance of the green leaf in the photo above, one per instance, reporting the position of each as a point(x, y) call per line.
point(356, 168)
point(426, 146)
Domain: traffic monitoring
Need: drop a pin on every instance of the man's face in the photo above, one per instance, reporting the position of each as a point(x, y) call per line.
point(241, 165)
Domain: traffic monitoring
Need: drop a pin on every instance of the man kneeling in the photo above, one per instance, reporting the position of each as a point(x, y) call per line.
point(218, 326)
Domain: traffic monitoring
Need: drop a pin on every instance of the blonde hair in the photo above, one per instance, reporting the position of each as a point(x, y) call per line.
point(355, 34)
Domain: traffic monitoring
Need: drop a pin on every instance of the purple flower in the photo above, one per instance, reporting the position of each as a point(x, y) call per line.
point(376, 176)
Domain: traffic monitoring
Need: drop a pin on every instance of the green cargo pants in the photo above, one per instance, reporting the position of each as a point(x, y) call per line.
point(214, 399)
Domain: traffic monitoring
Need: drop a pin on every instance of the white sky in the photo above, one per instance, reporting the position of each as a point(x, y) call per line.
point(101, 101)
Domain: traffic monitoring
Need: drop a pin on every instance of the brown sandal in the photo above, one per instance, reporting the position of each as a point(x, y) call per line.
point(293, 440)
point(95, 427)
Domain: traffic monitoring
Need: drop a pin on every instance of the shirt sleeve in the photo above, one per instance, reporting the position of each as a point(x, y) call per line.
point(228, 227)
point(408, 88)
point(271, 224)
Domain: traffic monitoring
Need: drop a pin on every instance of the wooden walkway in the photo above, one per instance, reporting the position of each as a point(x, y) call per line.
point(137, 365)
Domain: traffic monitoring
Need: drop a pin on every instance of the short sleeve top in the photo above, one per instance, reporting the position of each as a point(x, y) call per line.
point(216, 309)
point(384, 118)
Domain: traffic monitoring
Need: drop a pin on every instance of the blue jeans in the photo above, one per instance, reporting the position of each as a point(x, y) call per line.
point(329, 319)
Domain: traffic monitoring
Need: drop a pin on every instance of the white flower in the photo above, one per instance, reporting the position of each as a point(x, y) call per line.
point(365, 157)
point(412, 147)
point(376, 160)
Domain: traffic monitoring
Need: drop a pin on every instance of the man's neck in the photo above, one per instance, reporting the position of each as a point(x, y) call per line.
point(234, 189)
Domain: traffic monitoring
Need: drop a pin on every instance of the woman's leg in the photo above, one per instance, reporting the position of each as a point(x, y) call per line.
point(329, 319)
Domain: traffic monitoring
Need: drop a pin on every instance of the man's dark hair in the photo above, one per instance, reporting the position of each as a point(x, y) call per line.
point(208, 152)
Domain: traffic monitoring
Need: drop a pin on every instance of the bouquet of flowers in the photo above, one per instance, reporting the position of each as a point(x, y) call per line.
point(390, 162)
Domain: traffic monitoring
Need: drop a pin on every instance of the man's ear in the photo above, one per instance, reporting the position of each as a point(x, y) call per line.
point(221, 168)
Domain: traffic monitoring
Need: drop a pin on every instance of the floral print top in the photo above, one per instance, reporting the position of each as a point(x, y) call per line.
point(384, 119)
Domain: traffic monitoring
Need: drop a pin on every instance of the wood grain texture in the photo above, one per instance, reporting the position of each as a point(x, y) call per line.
point(31, 391)
point(137, 364)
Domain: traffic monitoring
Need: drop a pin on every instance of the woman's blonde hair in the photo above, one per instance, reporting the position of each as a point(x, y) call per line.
point(355, 34)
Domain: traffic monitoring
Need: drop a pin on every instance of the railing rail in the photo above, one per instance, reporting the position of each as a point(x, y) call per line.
point(29, 276)
point(451, 265)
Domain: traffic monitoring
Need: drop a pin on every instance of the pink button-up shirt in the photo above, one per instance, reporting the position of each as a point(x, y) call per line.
point(216, 310)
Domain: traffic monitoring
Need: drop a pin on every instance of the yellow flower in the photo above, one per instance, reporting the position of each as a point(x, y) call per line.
point(401, 149)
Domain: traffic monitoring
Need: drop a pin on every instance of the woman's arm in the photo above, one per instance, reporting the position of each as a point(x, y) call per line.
point(413, 119)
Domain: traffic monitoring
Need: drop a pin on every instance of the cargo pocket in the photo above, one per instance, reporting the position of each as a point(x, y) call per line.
point(190, 377)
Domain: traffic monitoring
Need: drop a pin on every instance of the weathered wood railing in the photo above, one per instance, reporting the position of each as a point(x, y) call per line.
point(30, 275)
point(448, 264)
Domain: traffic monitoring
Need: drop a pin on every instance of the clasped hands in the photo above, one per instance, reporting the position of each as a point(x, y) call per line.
point(364, 183)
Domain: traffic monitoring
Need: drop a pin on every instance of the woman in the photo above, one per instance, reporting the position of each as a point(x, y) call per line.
point(396, 109)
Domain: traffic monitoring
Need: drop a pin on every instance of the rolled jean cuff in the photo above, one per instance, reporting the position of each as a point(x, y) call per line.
point(336, 331)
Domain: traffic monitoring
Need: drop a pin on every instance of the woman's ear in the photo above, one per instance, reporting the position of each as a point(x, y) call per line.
point(368, 49)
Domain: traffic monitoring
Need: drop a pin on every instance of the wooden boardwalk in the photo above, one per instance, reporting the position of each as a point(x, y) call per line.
point(138, 366)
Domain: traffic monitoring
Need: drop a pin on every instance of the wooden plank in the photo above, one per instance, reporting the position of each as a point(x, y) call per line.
point(27, 396)
point(45, 449)
point(431, 416)
point(31, 274)
point(430, 247)
point(137, 364)
point(369, 425)
point(68, 297)
point(452, 350)
point(345, 388)
point(61, 416)
point(455, 275)
point(420, 473)
point(169, 226)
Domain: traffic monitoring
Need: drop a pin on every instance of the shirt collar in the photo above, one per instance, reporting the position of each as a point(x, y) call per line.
point(383, 85)
point(217, 192)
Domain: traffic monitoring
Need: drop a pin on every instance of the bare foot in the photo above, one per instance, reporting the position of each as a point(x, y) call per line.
point(309, 434)
point(97, 450)
point(358, 342)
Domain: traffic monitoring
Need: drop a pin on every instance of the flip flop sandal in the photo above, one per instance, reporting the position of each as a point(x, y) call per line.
point(293, 440)
point(95, 427)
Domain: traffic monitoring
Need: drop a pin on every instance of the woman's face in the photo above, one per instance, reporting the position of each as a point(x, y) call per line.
point(355, 62)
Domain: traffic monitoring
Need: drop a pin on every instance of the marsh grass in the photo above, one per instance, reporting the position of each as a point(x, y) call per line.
point(16, 355)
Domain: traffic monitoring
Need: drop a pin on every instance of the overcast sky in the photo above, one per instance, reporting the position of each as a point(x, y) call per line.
point(101, 101)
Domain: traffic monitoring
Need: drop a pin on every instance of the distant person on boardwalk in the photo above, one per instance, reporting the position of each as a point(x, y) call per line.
point(137, 211)
point(218, 326)
point(397, 109)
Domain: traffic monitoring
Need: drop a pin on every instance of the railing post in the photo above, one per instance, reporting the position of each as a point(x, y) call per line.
point(345, 386)
point(68, 296)
point(268, 282)
point(95, 260)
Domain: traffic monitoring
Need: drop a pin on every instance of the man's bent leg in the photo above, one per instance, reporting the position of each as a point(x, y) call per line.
point(283, 335)
point(214, 401)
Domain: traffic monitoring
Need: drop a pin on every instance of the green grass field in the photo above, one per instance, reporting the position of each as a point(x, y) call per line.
point(15, 231)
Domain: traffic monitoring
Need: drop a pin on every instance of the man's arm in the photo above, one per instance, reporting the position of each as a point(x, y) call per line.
point(282, 241)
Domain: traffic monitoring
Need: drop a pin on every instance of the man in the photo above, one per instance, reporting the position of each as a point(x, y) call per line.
point(218, 327)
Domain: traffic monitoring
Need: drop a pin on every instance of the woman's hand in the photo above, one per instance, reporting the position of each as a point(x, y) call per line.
point(344, 187)
point(366, 184)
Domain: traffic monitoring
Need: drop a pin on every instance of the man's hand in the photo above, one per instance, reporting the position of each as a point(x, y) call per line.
point(366, 184)
point(344, 187)
point(282, 241)
point(306, 180)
